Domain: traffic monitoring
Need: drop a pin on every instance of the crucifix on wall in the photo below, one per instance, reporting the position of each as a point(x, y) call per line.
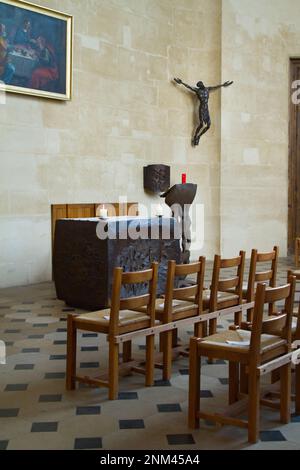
point(202, 92)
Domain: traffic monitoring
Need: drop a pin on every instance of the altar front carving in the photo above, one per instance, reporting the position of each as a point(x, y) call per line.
point(83, 263)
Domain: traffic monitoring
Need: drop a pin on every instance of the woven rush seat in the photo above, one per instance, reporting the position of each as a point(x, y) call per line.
point(221, 297)
point(102, 318)
point(224, 339)
point(178, 306)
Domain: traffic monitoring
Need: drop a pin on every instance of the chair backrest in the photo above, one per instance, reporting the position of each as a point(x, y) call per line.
point(118, 304)
point(193, 294)
point(280, 325)
point(232, 284)
point(256, 276)
point(296, 312)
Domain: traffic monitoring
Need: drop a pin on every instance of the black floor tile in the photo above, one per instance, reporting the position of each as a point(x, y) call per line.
point(9, 412)
point(162, 383)
point(57, 357)
point(88, 443)
point(3, 445)
point(11, 332)
point(24, 366)
point(89, 348)
point(128, 396)
point(180, 439)
point(60, 342)
point(224, 381)
point(61, 330)
point(30, 350)
point(88, 410)
point(89, 335)
point(44, 427)
point(40, 325)
point(295, 418)
point(50, 398)
point(36, 336)
point(16, 387)
point(131, 424)
point(55, 375)
point(89, 365)
point(206, 394)
point(68, 310)
point(169, 408)
point(272, 436)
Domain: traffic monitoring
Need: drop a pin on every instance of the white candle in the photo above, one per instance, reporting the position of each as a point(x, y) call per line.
point(159, 211)
point(103, 213)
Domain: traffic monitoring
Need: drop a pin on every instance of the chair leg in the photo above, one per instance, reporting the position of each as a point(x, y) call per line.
point(150, 361)
point(161, 342)
point(275, 376)
point(113, 370)
point(233, 382)
point(204, 328)
point(253, 407)
point(71, 353)
point(212, 331)
point(297, 391)
point(174, 338)
point(127, 351)
point(198, 330)
point(243, 379)
point(167, 355)
point(285, 393)
point(250, 315)
point(194, 385)
point(212, 326)
point(238, 317)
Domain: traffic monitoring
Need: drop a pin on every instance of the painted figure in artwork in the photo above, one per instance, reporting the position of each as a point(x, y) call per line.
point(7, 69)
point(24, 34)
point(46, 69)
point(202, 92)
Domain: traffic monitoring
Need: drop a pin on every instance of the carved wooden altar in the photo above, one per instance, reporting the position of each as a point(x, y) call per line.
point(83, 264)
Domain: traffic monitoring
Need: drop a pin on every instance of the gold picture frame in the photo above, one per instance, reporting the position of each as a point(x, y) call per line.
point(36, 50)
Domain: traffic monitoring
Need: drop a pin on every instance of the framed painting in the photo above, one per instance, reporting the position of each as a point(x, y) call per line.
point(35, 50)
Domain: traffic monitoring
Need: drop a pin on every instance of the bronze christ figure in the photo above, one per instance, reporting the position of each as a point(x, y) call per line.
point(202, 92)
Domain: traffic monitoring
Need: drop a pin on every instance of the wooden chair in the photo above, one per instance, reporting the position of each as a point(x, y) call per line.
point(297, 368)
point(260, 276)
point(296, 337)
point(259, 351)
point(178, 304)
point(225, 292)
point(297, 252)
point(120, 319)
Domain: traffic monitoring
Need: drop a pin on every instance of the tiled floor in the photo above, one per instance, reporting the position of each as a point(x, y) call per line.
point(36, 412)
